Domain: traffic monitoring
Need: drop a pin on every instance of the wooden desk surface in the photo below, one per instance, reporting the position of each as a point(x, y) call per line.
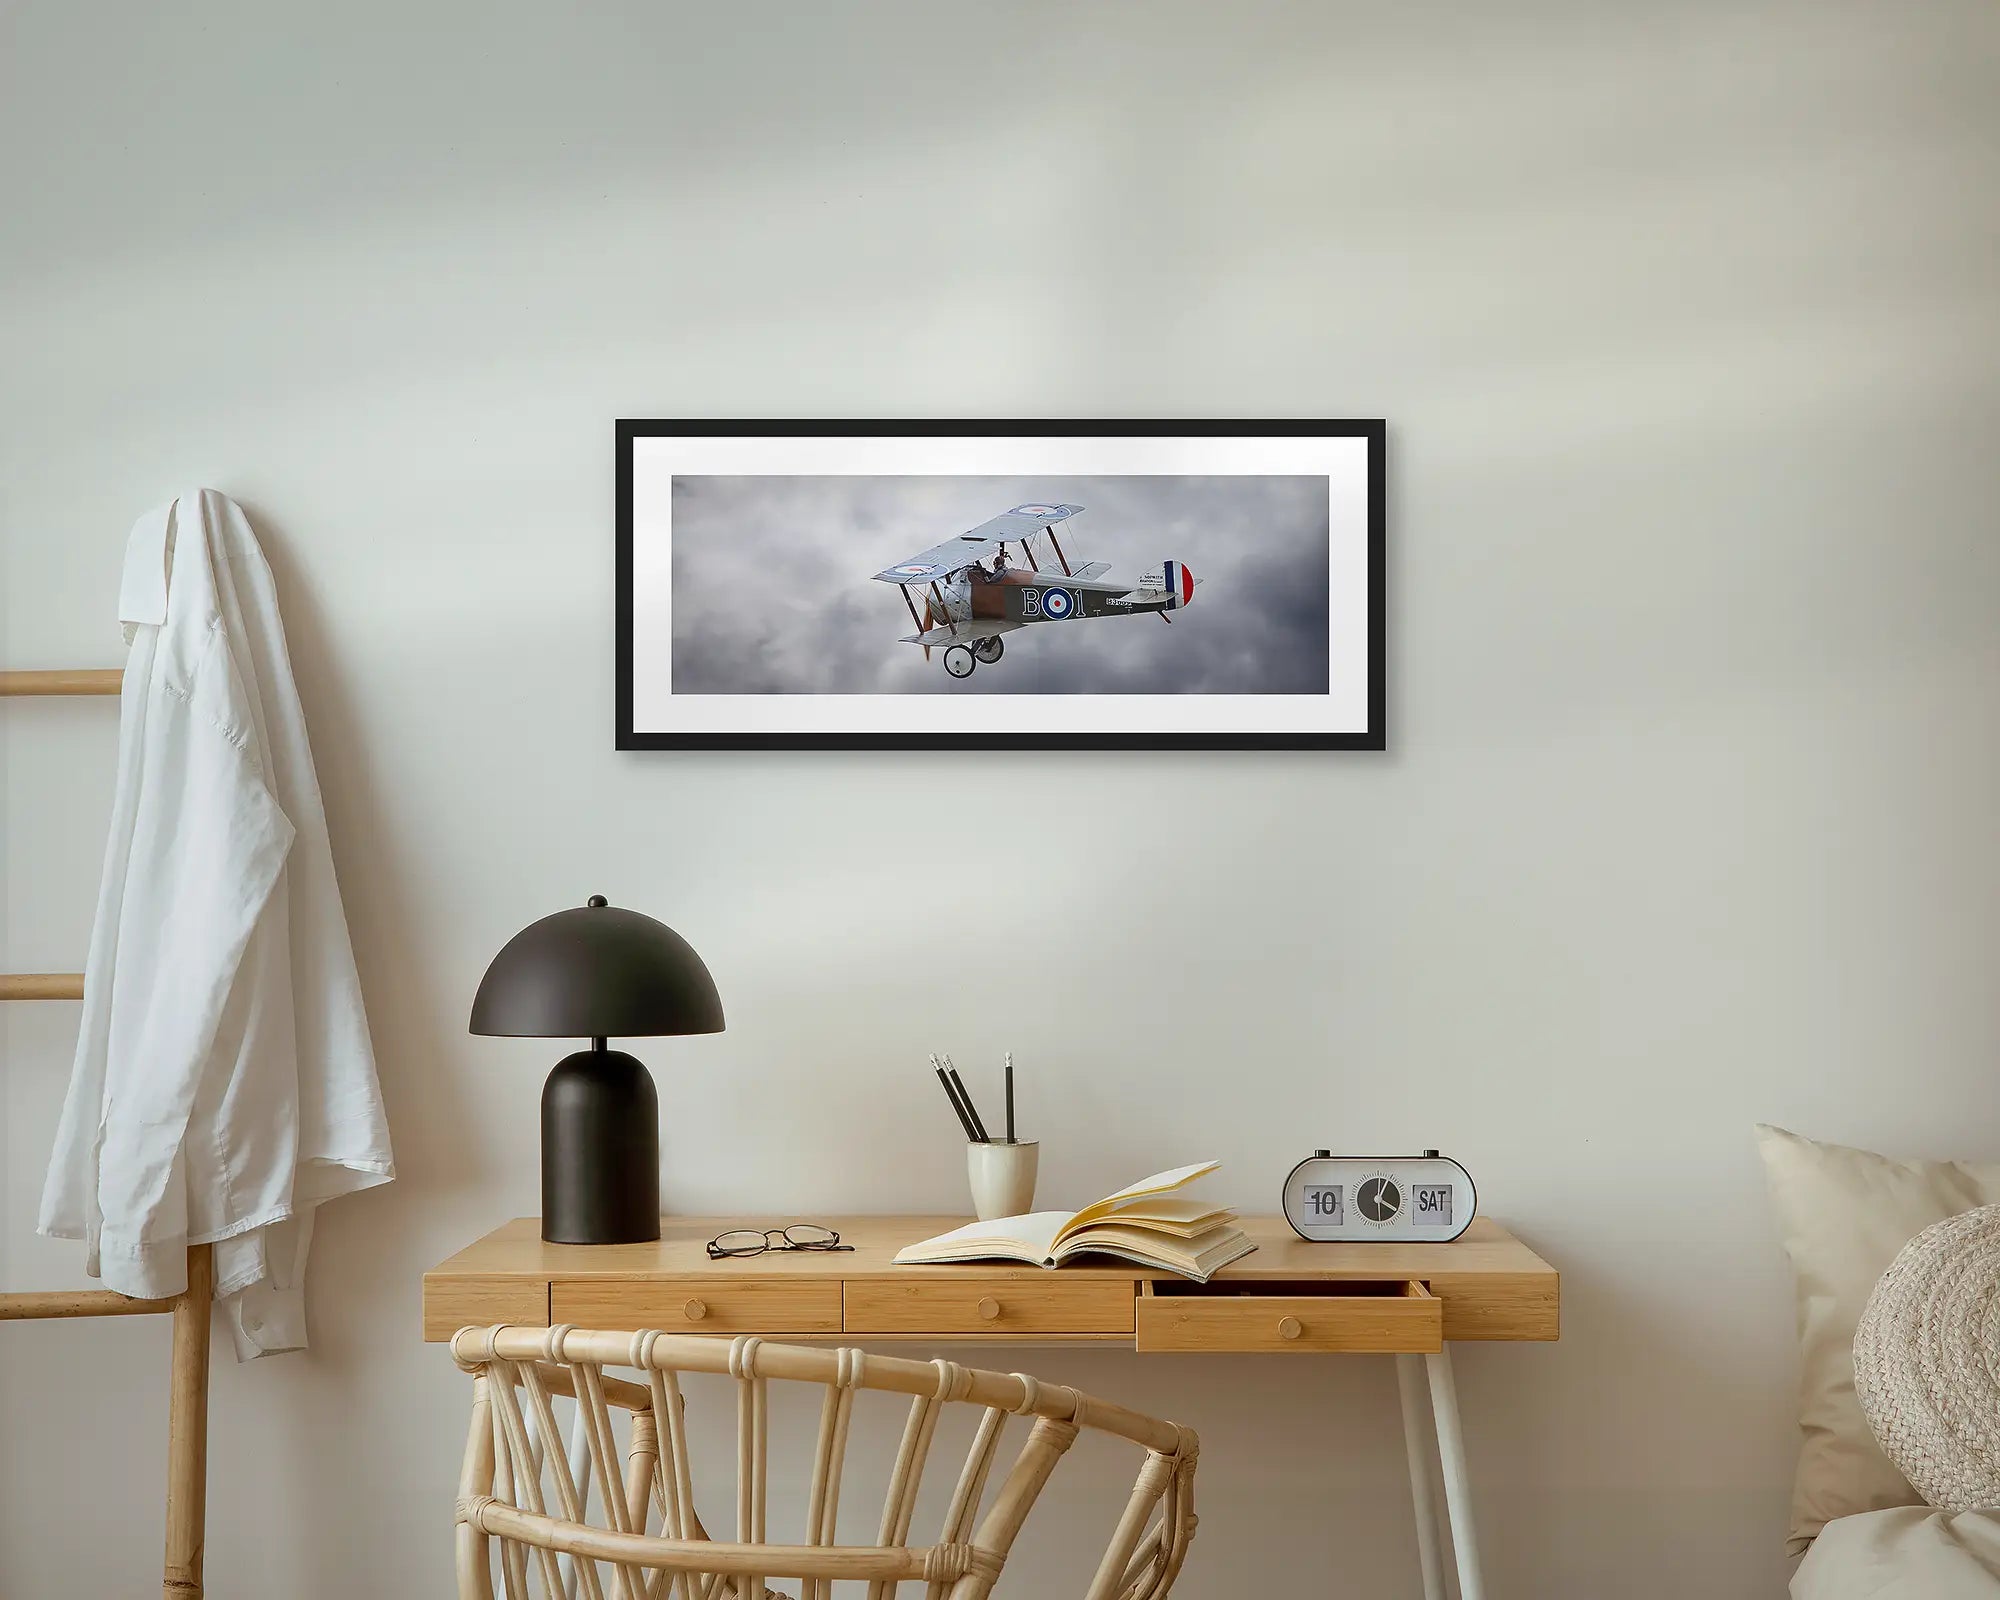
point(1490, 1285)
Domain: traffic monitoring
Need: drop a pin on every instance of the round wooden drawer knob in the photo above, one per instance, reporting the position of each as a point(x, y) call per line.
point(695, 1310)
point(989, 1309)
point(1288, 1328)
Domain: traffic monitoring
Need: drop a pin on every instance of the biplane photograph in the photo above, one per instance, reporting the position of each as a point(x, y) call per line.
point(1171, 585)
point(972, 597)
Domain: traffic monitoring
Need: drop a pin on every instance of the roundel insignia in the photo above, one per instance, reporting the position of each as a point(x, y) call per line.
point(913, 572)
point(1057, 604)
point(1037, 511)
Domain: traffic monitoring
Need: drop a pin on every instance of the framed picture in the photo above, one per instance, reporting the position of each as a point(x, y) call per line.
point(1000, 585)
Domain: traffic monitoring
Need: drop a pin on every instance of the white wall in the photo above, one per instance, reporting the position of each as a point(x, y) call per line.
point(1687, 324)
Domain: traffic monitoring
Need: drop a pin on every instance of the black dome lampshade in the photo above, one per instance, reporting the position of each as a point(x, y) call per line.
point(596, 972)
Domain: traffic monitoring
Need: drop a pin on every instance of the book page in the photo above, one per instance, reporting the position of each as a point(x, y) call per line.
point(1196, 1259)
point(1158, 1184)
point(1030, 1238)
point(1167, 1210)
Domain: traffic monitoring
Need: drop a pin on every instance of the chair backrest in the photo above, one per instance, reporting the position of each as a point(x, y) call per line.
point(518, 1486)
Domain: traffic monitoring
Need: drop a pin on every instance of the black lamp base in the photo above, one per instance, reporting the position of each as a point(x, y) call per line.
point(600, 1150)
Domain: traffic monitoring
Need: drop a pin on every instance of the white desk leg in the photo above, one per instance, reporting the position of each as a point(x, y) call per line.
point(1417, 1446)
point(1457, 1485)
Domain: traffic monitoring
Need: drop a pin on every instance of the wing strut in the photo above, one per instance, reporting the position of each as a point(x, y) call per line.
point(1051, 532)
point(941, 615)
point(913, 615)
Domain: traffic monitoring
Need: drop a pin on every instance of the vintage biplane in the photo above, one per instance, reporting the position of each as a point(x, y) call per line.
point(968, 605)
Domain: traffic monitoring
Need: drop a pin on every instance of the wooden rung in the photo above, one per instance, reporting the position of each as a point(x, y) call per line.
point(76, 1303)
point(41, 986)
point(79, 680)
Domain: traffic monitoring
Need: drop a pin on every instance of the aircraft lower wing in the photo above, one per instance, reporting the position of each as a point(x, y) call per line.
point(963, 632)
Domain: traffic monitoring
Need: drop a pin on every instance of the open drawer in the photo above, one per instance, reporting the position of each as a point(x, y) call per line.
point(1396, 1316)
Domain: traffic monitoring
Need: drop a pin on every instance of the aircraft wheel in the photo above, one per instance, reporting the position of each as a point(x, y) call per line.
point(958, 661)
point(990, 650)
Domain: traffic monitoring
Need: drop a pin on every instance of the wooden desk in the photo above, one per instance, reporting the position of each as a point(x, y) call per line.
point(1288, 1297)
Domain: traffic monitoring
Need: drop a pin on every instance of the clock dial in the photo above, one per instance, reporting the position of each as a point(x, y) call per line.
point(1378, 1199)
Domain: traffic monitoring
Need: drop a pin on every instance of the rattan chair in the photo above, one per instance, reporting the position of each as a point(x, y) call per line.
point(514, 1446)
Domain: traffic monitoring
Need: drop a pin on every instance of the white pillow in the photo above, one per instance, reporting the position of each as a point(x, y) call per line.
point(1912, 1552)
point(1843, 1215)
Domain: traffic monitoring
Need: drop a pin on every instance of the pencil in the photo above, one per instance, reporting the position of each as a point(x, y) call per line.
point(965, 1098)
point(964, 1121)
point(1010, 1097)
point(975, 1129)
point(967, 1117)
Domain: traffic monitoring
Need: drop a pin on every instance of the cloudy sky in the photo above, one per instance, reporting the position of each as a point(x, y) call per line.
point(773, 587)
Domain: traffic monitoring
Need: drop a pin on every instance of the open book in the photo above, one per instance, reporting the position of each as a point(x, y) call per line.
point(1146, 1223)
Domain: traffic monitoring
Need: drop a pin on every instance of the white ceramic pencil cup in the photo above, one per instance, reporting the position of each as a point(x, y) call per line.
point(1002, 1177)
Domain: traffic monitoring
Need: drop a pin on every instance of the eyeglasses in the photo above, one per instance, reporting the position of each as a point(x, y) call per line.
point(755, 1241)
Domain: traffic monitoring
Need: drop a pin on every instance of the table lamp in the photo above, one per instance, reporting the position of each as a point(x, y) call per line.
point(598, 972)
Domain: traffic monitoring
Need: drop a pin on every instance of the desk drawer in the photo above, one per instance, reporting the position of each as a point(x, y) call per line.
point(699, 1305)
point(1288, 1317)
point(451, 1303)
point(1048, 1303)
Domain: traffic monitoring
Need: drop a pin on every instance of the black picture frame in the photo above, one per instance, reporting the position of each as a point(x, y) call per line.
point(1371, 738)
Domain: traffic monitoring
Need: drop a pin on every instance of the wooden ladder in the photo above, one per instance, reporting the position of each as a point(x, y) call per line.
point(187, 1415)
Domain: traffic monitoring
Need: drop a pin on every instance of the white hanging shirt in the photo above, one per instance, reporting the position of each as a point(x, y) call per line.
point(224, 1083)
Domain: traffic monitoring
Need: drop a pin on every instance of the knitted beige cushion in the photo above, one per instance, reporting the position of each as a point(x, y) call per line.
point(1843, 1214)
point(1927, 1361)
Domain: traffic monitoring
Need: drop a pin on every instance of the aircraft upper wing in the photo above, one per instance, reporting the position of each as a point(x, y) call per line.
point(975, 544)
